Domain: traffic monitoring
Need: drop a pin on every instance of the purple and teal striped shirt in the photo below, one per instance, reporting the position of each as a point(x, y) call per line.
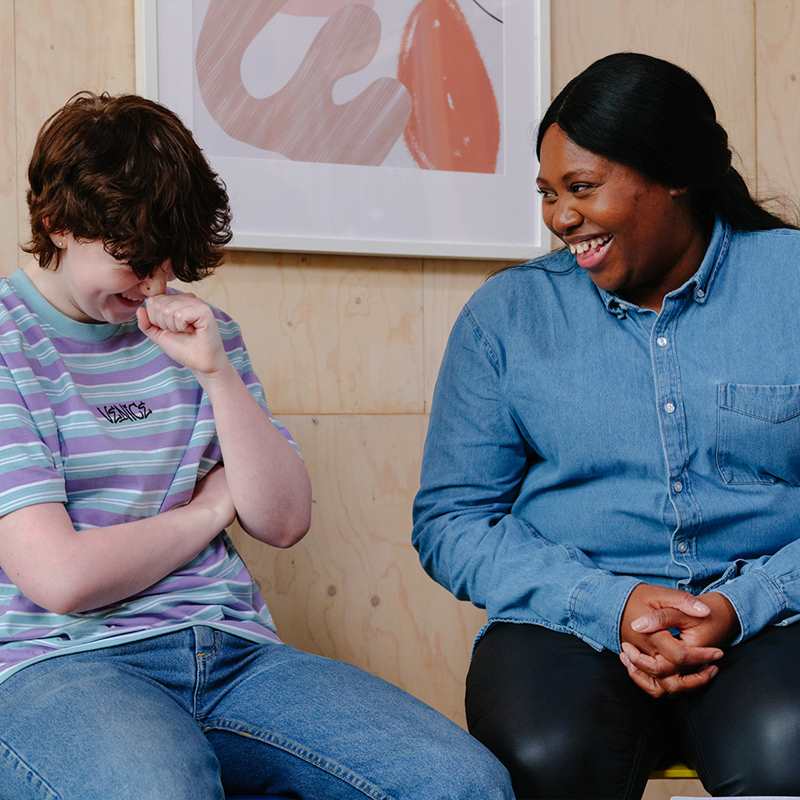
point(97, 417)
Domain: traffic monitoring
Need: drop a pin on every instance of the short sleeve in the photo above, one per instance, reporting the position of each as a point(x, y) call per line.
point(28, 471)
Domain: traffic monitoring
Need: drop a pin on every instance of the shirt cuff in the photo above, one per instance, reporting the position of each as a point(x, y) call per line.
point(596, 606)
point(757, 600)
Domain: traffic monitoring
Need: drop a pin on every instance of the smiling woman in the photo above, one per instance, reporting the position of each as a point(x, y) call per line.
point(613, 458)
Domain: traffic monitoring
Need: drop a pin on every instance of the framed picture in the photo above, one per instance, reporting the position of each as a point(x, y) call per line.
point(388, 127)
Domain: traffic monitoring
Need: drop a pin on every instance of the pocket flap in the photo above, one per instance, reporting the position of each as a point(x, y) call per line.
point(770, 402)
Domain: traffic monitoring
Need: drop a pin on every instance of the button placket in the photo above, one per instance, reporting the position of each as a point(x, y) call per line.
point(673, 431)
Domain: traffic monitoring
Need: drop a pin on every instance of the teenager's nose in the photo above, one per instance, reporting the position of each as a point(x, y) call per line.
point(155, 284)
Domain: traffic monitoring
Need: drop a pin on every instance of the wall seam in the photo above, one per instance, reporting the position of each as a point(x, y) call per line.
point(15, 89)
point(756, 177)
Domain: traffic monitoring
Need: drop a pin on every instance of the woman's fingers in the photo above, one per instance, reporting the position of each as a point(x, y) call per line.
point(645, 682)
point(673, 684)
point(684, 656)
point(661, 619)
point(688, 604)
point(659, 666)
point(689, 681)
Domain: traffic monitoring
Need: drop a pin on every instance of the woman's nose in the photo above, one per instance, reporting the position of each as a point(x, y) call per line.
point(155, 284)
point(565, 217)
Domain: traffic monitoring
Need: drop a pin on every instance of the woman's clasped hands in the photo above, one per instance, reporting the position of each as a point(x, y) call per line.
point(658, 661)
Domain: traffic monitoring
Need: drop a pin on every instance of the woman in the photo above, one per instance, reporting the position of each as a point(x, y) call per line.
point(615, 431)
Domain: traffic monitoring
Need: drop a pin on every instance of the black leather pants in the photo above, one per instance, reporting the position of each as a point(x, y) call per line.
point(568, 722)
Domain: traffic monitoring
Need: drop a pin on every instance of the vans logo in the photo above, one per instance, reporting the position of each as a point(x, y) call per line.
point(125, 412)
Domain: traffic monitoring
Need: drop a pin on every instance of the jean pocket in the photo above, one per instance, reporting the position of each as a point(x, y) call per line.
point(758, 433)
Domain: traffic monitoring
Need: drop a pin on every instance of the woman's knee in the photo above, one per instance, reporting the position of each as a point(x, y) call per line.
point(758, 757)
point(558, 763)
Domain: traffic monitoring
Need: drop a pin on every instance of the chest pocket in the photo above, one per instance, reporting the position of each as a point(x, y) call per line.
point(758, 433)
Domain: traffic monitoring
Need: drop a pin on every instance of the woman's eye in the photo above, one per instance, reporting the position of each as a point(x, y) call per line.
point(546, 193)
point(579, 187)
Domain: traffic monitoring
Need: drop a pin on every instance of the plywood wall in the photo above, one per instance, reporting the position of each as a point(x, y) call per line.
point(348, 348)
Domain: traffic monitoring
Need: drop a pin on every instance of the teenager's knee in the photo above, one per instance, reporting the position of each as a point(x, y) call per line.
point(464, 770)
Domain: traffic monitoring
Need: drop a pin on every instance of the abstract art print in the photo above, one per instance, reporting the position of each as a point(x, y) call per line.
point(396, 127)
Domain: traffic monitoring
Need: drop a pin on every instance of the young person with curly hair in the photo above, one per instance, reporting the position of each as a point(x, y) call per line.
point(138, 659)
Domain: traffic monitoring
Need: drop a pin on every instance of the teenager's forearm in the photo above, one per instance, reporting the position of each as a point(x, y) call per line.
point(105, 565)
point(268, 480)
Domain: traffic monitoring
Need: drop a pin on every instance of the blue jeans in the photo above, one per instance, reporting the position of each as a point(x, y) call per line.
point(192, 714)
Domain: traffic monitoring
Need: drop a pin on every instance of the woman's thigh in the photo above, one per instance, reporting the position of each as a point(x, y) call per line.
point(742, 731)
point(286, 721)
point(566, 720)
point(85, 727)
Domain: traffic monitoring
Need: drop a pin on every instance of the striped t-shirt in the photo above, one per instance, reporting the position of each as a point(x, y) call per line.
point(97, 417)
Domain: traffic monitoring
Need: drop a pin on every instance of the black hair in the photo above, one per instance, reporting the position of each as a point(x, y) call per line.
point(655, 117)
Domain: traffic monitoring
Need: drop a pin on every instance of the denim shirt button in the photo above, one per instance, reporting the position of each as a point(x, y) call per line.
point(682, 547)
point(662, 341)
point(669, 407)
point(677, 487)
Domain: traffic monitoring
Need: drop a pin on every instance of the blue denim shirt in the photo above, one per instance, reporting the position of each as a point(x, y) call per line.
point(579, 445)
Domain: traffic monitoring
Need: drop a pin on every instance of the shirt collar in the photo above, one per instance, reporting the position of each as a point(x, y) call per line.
point(699, 284)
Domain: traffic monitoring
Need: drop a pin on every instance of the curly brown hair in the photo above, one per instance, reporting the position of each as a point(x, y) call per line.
point(125, 171)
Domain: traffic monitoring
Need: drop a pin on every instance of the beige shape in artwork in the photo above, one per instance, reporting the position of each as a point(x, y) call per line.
point(301, 120)
point(455, 123)
point(320, 8)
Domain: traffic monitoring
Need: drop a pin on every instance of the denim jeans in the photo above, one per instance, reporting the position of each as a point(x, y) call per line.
point(192, 714)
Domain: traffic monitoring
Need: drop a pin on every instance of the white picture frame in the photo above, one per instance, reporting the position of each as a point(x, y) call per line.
point(390, 209)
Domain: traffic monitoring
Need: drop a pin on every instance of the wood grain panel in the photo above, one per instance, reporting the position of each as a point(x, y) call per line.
point(713, 40)
point(447, 286)
point(8, 141)
point(328, 334)
point(62, 48)
point(778, 95)
point(353, 589)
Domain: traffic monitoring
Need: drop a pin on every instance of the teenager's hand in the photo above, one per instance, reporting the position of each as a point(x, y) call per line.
point(184, 327)
point(656, 661)
point(212, 493)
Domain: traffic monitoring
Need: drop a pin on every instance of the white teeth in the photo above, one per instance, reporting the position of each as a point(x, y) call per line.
point(589, 244)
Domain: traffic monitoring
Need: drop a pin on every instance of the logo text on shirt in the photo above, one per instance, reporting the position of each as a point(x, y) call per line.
point(125, 412)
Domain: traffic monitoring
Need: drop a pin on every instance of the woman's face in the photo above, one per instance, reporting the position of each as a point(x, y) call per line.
point(636, 238)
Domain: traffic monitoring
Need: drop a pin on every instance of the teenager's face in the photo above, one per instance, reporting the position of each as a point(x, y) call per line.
point(89, 285)
point(634, 237)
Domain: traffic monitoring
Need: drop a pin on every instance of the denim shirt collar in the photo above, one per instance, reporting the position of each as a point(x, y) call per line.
point(699, 284)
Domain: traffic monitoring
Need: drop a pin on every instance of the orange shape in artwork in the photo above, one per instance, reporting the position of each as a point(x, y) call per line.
point(454, 123)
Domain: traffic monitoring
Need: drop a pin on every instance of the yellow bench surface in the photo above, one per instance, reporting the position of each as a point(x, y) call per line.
point(674, 771)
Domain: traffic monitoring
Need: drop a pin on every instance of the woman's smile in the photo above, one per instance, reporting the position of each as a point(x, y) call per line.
point(591, 253)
